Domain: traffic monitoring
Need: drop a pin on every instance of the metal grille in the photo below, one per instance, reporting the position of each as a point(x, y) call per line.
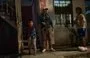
point(63, 12)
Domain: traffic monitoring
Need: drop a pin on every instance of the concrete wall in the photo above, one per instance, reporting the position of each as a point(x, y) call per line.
point(49, 5)
point(78, 3)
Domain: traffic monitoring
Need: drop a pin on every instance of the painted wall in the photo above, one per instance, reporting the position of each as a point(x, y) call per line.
point(42, 4)
point(78, 3)
point(49, 5)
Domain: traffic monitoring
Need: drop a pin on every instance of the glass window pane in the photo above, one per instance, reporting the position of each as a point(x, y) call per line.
point(57, 4)
point(62, 2)
point(60, 5)
point(64, 5)
point(56, 1)
point(87, 3)
point(67, 2)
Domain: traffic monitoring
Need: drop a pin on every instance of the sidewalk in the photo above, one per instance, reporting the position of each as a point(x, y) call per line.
point(60, 54)
point(65, 53)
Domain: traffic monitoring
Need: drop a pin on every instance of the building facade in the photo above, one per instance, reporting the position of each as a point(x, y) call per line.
point(62, 13)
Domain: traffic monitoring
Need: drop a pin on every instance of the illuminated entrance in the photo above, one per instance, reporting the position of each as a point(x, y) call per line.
point(63, 21)
point(63, 12)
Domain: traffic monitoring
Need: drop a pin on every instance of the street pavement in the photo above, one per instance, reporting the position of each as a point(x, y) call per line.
point(60, 54)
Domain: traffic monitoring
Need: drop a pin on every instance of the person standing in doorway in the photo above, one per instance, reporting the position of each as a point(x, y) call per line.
point(32, 36)
point(81, 26)
point(47, 29)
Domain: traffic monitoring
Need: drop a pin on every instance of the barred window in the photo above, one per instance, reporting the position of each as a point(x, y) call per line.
point(61, 3)
point(63, 12)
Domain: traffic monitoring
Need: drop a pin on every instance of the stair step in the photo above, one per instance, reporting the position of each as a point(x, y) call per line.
point(26, 52)
point(25, 41)
point(6, 18)
point(2, 13)
point(25, 46)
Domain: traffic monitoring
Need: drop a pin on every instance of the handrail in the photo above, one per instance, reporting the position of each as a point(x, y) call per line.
point(7, 5)
point(9, 9)
point(9, 22)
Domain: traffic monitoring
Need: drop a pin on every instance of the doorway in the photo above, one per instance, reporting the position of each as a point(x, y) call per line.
point(63, 21)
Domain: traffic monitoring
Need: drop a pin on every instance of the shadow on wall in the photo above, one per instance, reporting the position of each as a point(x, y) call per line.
point(8, 39)
point(88, 25)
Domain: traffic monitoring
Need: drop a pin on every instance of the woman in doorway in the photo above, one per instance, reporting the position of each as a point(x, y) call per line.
point(81, 26)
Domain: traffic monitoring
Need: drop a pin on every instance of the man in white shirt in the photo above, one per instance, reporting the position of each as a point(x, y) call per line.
point(81, 26)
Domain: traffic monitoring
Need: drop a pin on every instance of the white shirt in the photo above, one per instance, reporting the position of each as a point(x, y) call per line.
point(85, 22)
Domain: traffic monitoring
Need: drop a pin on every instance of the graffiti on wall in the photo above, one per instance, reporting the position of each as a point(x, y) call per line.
point(42, 4)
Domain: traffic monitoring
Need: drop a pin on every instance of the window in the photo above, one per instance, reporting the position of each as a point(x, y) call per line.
point(87, 4)
point(87, 10)
point(63, 12)
point(61, 6)
point(87, 13)
point(26, 2)
point(61, 3)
